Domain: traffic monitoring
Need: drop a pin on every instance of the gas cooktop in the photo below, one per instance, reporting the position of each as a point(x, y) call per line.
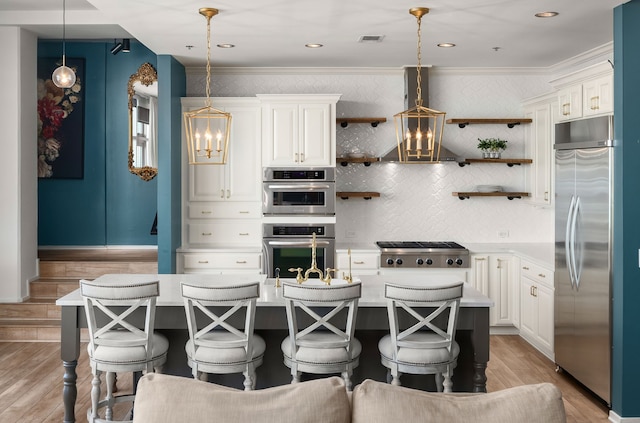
point(423, 254)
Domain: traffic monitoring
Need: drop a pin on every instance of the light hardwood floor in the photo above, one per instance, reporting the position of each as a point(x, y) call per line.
point(31, 380)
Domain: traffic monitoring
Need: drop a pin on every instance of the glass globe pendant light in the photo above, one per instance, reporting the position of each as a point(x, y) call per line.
point(63, 76)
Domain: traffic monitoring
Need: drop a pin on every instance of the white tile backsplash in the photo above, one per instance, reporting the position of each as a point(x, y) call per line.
point(416, 201)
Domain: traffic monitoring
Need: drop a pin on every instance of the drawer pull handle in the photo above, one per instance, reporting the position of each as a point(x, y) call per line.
point(203, 261)
point(243, 212)
point(542, 275)
point(243, 233)
point(241, 262)
point(525, 267)
point(480, 258)
point(206, 234)
point(206, 212)
point(358, 262)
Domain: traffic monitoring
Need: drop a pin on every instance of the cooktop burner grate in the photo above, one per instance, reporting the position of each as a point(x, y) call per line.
point(448, 245)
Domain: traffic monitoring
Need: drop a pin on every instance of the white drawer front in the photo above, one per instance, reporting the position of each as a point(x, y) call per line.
point(537, 273)
point(239, 261)
point(229, 210)
point(358, 261)
point(225, 233)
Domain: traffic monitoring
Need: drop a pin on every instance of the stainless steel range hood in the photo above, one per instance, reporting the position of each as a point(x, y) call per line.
point(410, 84)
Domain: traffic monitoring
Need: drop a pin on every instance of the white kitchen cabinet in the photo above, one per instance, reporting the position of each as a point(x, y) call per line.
point(539, 146)
point(537, 306)
point(597, 96)
point(585, 93)
point(495, 276)
point(299, 130)
point(479, 274)
point(219, 261)
point(222, 204)
point(570, 103)
point(240, 179)
point(362, 262)
point(503, 290)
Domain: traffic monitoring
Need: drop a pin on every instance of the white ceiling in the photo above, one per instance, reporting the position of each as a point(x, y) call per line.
point(272, 33)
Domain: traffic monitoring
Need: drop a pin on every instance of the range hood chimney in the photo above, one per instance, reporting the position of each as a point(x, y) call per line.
point(411, 88)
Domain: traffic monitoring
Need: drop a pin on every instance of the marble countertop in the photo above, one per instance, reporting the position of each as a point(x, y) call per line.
point(270, 296)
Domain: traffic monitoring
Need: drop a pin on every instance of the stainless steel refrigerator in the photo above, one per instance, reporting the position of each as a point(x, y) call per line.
point(583, 224)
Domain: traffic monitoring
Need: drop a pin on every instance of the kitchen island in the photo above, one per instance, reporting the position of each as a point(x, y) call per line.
point(271, 323)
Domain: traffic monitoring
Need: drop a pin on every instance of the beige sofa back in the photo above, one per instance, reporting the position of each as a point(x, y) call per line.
point(162, 398)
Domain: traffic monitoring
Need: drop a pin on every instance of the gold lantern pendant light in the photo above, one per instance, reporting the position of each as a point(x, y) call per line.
point(63, 76)
point(207, 129)
point(419, 129)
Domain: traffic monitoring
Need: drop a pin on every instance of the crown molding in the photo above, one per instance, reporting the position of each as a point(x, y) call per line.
point(294, 71)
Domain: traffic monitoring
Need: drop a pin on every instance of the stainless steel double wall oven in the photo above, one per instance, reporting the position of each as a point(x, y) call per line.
point(298, 203)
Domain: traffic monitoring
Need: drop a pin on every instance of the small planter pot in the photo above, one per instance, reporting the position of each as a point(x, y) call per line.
point(486, 155)
point(495, 154)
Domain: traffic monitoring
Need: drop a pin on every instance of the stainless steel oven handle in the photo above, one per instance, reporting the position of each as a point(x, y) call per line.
point(296, 243)
point(299, 186)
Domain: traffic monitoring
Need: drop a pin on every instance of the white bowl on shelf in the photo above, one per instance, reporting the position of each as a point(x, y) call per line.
point(356, 155)
point(488, 188)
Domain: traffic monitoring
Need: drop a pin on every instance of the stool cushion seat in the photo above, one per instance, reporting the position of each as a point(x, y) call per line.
point(317, 355)
point(419, 355)
point(224, 355)
point(128, 355)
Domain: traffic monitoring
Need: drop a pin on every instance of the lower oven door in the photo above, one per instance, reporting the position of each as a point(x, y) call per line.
point(291, 253)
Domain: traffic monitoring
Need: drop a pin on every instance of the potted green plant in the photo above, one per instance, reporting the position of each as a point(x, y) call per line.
point(491, 147)
point(484, 145)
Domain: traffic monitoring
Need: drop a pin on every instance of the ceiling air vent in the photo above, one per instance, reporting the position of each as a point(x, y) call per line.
point(371, 38)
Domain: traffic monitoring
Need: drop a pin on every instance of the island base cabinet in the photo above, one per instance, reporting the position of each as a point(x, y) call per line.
point(537, 311)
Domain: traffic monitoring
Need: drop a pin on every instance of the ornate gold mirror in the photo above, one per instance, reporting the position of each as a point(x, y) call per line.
point(143, 122)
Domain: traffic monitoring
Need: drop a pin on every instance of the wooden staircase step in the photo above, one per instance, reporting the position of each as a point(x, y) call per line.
point(52, 288)
point(16, 330)
point(93, 269)
point(30, 310)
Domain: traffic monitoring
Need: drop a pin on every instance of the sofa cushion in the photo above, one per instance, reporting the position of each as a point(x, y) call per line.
point(379, 402)
point(163, 398)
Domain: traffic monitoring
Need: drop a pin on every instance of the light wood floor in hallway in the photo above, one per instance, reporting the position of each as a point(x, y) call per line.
point(31, 380)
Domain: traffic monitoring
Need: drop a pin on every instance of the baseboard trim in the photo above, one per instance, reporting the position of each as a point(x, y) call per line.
point(615, 418)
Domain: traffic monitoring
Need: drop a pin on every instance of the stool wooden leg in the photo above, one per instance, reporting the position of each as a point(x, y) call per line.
point(95, 394)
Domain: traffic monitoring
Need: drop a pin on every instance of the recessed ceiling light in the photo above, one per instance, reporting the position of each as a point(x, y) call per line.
point(446, 45)
point(226, 45)
point(313, 45)
point(546, 14)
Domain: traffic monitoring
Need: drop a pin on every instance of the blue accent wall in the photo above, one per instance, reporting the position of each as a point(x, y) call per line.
point(109, 206)
point(626, 243)
point(169, 180)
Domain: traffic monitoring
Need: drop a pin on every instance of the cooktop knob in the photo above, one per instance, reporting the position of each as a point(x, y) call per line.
point(459, 261)
point(419, 262)
point(399, 261)
point(429, 262)
point(390, 261)
point(450, 261)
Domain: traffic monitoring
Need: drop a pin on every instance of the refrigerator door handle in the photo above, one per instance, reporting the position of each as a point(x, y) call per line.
point(574, 226)
point(568, 240)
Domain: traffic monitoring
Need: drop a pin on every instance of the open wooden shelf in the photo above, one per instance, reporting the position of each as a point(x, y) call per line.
point(462, 122)
point(366, 195)
point(344, 122)
point(365, 160)
point(509, 162)
point(509, 195)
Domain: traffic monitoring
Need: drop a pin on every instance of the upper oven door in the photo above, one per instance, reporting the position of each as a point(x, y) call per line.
point(299, 198)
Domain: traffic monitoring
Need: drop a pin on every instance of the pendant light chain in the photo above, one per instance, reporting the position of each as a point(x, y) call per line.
point(64, 33)
point(208, 86)
point(419, 66)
